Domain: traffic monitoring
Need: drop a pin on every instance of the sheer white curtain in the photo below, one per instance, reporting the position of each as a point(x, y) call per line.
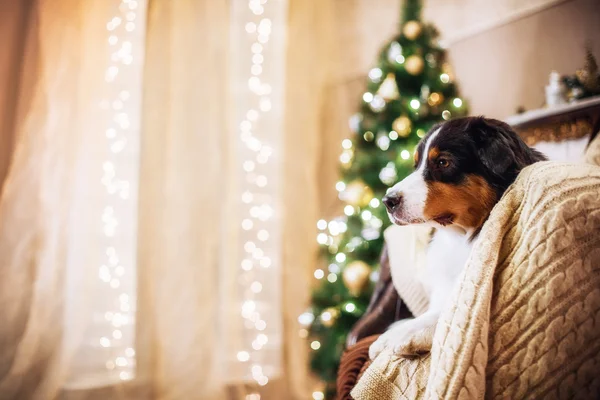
point(101, 268)
point(156, 223)
point(69, 204)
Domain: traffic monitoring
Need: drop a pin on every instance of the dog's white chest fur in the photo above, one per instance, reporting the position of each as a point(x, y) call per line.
point(447, 255)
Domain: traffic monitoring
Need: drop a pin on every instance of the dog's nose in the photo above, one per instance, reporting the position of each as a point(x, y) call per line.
point(392, 201)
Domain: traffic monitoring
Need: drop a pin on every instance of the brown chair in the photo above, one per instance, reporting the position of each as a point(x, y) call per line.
point(385, 308)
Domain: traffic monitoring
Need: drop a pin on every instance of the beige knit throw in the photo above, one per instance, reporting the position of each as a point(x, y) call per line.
point(524, 321)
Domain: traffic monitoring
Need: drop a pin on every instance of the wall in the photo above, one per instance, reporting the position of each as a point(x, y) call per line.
point(502, 51)
point(507, 66)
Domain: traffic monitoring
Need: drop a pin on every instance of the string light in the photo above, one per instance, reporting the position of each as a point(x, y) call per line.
point(259, 237)
point(383, 142)
point(117, 269)
point(306, 318)
point(377, 103)
point(322, 238)
point(345, 157)
point(340, 257)
point(375, 75)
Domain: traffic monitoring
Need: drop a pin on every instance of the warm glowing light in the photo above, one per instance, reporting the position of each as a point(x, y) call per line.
point(375, 74)
point(405, 154)
point(315, 345)
point(318, 396)
point(243, 356)
point(319, 274)
point(345, 158)
point(322, 238)
point(263, 235)
point(247, 224)
point(306, 318)
point(259, 176)
point(256, 287)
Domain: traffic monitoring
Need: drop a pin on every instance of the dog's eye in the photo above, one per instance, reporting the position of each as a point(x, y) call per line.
point(443, 163)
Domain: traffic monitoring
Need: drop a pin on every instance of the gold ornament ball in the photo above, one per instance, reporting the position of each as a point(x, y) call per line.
point(435, 99)
point(414, 64)
point(412, 30)
point(329, 316)
point(357, 193)
point(402, 125)
point(356, 276)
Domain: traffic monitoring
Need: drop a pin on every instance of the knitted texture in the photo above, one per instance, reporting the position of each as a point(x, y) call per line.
point(533, 283)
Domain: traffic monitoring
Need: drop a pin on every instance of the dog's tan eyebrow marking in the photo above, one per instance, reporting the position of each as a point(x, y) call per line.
point(433, 153)
point(416, 157)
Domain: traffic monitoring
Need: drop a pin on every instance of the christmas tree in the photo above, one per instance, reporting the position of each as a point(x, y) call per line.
point(410, 89)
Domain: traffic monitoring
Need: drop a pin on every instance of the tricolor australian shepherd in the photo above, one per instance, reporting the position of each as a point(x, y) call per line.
point(462, 169)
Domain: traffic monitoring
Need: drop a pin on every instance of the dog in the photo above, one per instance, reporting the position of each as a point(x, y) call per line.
point(462, 168)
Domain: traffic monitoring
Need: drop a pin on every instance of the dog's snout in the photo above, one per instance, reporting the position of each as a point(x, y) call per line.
point(392, 201)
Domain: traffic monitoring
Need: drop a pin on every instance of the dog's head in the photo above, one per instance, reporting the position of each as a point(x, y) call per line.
point(462, 168)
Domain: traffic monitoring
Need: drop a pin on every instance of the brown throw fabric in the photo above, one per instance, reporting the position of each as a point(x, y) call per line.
point(354, 362)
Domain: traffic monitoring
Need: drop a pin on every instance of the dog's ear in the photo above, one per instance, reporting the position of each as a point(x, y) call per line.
point(500, 149)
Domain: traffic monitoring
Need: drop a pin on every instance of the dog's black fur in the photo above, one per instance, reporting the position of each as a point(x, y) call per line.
point(480, 146)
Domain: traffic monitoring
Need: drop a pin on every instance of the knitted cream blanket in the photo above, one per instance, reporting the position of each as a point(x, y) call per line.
point(524, 321)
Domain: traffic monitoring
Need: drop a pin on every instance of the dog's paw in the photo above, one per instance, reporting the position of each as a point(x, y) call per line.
point(413, 344)
point(385, 338)
point(377, 346)
point(408, 338)
point(389, 337)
